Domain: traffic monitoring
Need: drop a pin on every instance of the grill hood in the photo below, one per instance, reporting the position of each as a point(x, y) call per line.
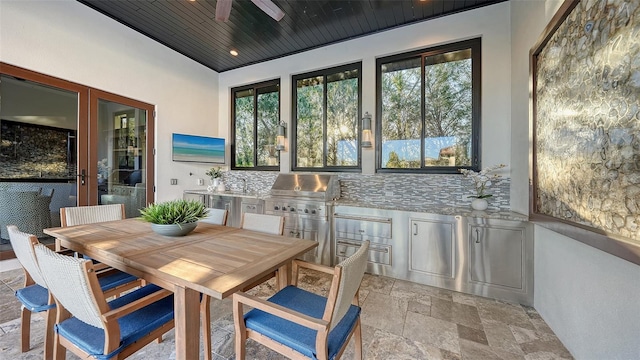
point(312, 186)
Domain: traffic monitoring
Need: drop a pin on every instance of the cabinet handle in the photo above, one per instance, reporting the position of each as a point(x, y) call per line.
point(477, 236)
point(415, 229)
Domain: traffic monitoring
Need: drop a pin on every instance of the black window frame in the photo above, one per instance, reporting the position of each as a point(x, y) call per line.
point(294, 111)
point(475, 45)
point(255, 87)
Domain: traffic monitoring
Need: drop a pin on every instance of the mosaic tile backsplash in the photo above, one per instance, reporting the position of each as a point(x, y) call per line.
point(391, 190)
point(419, 190)
point(588, 119)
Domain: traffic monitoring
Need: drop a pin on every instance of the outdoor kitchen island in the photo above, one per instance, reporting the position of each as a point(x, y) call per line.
point(487, 253)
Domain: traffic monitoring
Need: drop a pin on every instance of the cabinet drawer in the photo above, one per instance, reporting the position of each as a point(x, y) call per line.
point(378, 253)
point(354, 227)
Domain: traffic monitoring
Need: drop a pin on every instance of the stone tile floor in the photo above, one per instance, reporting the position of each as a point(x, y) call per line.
point(401, 320)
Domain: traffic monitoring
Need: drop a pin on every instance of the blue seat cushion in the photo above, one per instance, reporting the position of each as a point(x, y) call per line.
point(35, 298)
point(115, 279)
point(295, 336)
point(132, 327)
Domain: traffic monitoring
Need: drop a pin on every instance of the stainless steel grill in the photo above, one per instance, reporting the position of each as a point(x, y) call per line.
point(306, 200)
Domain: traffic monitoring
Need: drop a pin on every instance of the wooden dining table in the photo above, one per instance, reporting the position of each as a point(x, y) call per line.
point(214, 260)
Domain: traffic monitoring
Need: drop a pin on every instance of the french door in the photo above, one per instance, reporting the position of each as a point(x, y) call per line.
point(109, 156)
point(120, 154)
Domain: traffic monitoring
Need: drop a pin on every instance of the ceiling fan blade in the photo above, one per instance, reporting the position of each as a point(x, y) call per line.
point(223, 9)
point(269, 8)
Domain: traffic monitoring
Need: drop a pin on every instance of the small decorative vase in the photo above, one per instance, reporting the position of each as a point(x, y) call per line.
point(479, 204)
point(173, 229)
point(221, 187)
point(214, 185)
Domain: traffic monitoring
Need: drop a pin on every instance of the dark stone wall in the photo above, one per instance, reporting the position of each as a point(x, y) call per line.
point(28, 151)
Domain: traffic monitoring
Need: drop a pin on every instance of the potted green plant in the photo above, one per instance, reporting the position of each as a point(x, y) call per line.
point(174, 217)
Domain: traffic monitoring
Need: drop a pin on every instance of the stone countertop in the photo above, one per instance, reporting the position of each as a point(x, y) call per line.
point(234, 193)
point(440, 210)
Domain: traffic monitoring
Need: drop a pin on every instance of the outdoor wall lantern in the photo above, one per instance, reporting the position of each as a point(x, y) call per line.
point(281, 137)
point(366, 130)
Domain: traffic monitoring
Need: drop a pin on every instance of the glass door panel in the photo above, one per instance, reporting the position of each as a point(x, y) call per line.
point(122, 156)
point(38, 155)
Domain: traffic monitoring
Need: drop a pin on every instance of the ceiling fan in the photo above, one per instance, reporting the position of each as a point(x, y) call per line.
point(223, 9)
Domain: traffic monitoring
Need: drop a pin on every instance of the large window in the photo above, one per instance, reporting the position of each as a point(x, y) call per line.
point(326, 113)
point(429, 109)
point(256, 115)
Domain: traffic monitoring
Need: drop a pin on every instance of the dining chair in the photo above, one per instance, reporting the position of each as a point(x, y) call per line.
point(28, 210)
point(270, 224)
point(35, 297)
point(264, 223)
point(45, 198)
point(300, 324)
point(88, 325)
point(216, 216)
point(81, 215)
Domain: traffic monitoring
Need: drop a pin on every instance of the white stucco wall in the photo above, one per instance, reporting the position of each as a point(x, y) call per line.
point(527, 22)
point(71, 41)
point(589, 298)
point(491, 23)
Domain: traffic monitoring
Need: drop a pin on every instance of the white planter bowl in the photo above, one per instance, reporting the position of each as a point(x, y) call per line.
point(173, 229)
point(479, 204)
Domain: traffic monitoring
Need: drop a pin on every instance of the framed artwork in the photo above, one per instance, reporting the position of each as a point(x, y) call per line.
point(585, 71)
point(194, 148)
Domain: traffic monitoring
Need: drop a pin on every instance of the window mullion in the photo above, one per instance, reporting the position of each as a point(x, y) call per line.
point(423, 104)
point(324, 120)
point(255, 127)
point(449, 113)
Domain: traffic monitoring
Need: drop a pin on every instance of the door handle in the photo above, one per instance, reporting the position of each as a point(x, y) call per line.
point(415, 229)
point(82, 176)
point(477, 236)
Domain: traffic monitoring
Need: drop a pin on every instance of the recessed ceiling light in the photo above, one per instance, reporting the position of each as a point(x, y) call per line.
point(233, 52)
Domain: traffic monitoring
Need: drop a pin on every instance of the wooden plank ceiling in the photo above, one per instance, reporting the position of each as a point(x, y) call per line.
point(190, 28)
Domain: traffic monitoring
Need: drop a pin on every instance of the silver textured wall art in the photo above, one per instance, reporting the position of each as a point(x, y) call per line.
point(586, 73)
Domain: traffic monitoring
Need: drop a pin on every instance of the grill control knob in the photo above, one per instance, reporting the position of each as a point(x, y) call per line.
point(306, 211)
point(276, 207)
point(292, 209)
point(313, 211)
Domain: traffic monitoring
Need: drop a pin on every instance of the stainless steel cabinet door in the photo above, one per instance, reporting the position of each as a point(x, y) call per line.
point(432, 247)
point(229, 203)
point(497, 255)
point(193, 196)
